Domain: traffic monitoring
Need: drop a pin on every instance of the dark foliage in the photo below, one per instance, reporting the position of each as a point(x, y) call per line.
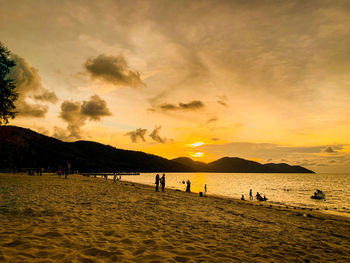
point(7, 87)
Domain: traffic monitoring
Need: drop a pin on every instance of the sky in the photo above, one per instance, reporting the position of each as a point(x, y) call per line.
point(262, 80)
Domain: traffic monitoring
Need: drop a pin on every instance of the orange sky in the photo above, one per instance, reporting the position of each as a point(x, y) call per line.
point(262, 80)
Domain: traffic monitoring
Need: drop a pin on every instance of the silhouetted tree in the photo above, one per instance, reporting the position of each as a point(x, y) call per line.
point(7, 86)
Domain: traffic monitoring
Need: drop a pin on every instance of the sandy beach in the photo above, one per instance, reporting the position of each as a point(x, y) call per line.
point(83, 219)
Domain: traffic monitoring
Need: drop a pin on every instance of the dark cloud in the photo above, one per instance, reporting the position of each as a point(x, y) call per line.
point(193, 105)
point(47, 95)
point(28, 85)
point(222, 103)
point(95, 108)
point(25, 109)
point(113, 69)
point(212, 120)
point(137, 134)
point(155, 135)
point(169, 107)
point(77, 113)
point(329, 149)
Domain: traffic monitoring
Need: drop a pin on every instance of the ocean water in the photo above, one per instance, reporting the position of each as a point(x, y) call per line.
point(300, 187)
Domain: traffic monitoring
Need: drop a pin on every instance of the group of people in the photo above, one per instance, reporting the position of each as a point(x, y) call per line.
point(258, 196)
point(161, 181)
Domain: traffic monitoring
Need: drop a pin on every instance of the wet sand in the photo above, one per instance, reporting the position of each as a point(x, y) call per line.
point(82, 219)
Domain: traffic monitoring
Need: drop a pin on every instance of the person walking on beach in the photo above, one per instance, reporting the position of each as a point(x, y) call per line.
point(188, 187)
point(157, 182)
point(115, 177)
point(162, 182)
point(205, 189)
point(250, 194)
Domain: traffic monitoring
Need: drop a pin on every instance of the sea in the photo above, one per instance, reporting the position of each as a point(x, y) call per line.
point(286, 189)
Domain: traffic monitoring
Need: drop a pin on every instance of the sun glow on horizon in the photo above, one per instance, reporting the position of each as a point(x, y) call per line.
point(196, 154)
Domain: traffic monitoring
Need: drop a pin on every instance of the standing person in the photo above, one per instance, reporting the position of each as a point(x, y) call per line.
point(157, 182)
point(205, 189)
point(162, 182)
point(115, 177)
point(188, 188)
point(250, 194)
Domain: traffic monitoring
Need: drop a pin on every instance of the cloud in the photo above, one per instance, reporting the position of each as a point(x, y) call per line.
point(137, 134)
point(95, 108)
point(222, 103)
point(155, 135)
point(329, 149)
point(28, 85)
point(60, 133)
point(212, 120)
point(47, 95)
point(193, 105)
point(43, 131)
point(113, 69)
point(77, 113)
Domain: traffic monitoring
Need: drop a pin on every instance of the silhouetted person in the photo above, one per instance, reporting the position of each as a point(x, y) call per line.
point(162, 182)
point(115, 178)
point(65, 173)
point(106, 176)
point(242, 198)
point(157, 182)
point(205, 189)
point(265, 198)
point(188, 187)
point(250, 194)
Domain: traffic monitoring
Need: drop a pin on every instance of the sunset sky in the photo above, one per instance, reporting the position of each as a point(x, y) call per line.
point(263, 80)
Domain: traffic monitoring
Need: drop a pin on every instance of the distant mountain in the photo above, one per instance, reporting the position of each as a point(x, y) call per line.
point(23, 148)
point(195, 165)
point(238, 165)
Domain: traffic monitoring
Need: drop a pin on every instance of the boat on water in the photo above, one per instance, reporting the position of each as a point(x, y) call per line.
point(318, 195)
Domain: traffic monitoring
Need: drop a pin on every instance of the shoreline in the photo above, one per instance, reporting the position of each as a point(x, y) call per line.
point(258, 203)
point(86, 219)
point(265, 203)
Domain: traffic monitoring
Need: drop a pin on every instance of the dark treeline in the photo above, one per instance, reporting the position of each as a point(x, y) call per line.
point(21, 148)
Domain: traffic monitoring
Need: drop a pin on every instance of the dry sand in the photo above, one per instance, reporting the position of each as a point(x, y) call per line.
point(81, 219)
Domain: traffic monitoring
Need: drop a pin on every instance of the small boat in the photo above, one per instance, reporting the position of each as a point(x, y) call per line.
point(318, 195)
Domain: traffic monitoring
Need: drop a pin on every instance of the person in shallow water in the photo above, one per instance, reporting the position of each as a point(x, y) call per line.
point(162, 182)
point(188, 187)
point(157, 182)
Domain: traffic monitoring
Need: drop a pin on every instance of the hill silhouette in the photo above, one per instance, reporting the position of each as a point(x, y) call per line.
point(239, 165)
point(24, 148)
